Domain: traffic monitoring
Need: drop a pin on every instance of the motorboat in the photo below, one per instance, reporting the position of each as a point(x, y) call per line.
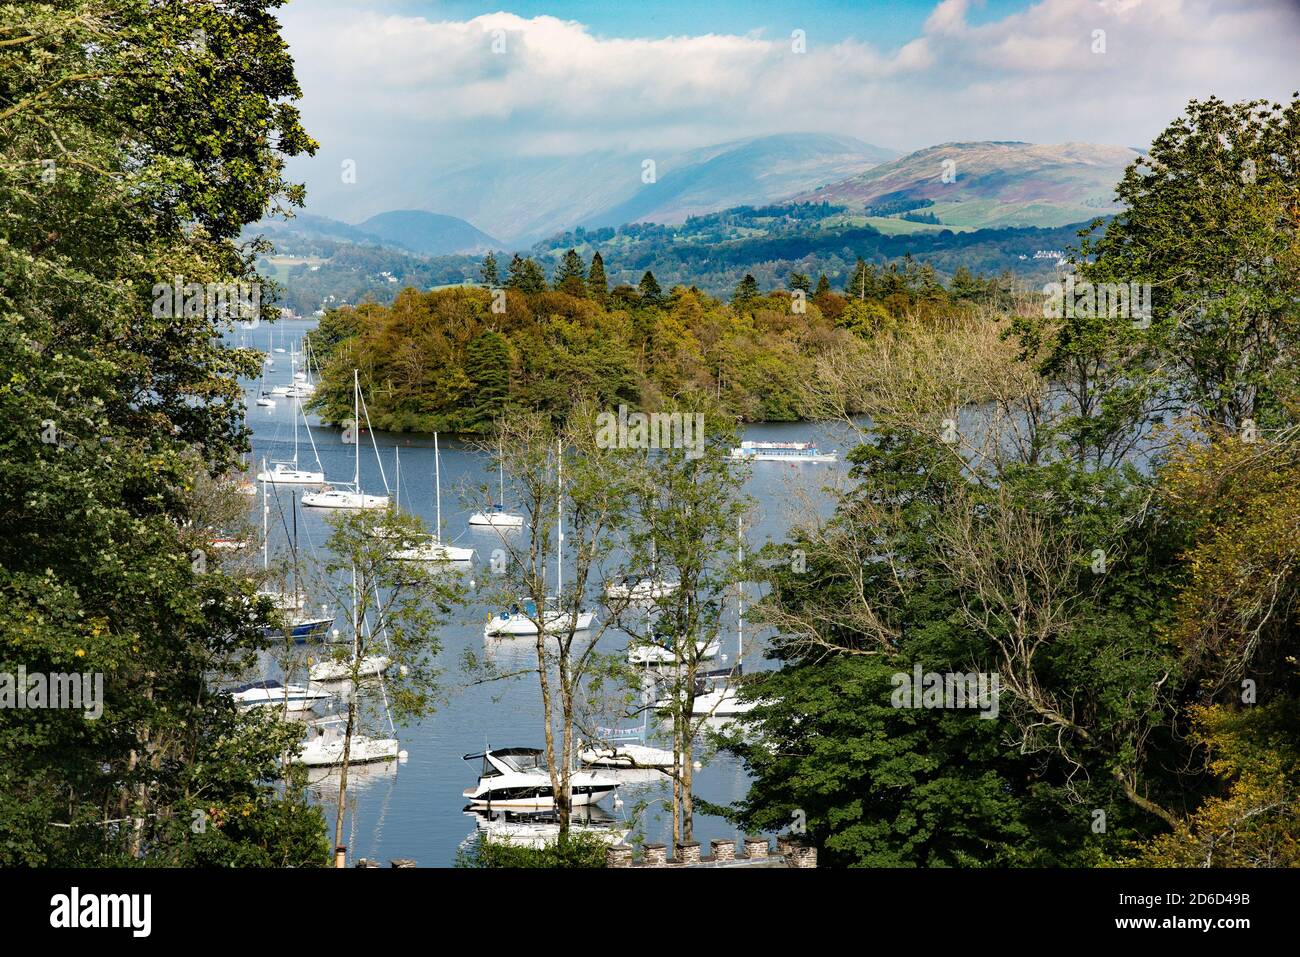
point(518, 778)
point(271, 693)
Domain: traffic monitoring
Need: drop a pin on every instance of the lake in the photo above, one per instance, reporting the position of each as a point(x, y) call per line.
point(415, 808)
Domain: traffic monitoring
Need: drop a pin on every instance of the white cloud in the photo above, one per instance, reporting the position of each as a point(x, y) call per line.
point(406, 92)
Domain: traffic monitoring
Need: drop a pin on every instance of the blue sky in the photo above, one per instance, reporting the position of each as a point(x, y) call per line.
point(410, 89)
point(888, 23)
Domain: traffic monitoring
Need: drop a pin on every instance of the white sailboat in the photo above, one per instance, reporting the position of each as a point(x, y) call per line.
point(716, 693)
point(289, 473)
point(634, 590)
point(496, 516)
point(618, 750)
point(331, 670)
point(659, 653)
point(325, 740)
point(523, 621)
point(434, 550)
point(299, 623)
point(323, 746)
point(350, 494)
point(264, 398)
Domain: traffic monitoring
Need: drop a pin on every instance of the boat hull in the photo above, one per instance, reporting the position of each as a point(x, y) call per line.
point(345, 500)
point(496, 520)
point(362, 751)
point(516, 626)
point(539, 797)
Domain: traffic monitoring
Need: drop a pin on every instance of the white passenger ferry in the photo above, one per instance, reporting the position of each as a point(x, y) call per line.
point(783, 452)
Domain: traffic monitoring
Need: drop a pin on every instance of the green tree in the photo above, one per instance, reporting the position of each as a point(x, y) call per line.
point(597, 284)
point(569, 277)
point(132, 158)
point(651, 294)
point(488, 272)
point(488, 367)
point(746, 293)
point(525, 275)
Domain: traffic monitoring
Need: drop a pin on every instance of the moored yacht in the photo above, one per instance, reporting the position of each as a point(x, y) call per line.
point(496, 516)
point(270, 693)
point(518, 778)
point(324, 745)
point(349, 494)
point(655, 653)
point(522, 620)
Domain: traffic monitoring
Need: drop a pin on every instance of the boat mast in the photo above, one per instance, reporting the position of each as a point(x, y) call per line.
point(559, 520)
point(297, 589)
point(740, 597)
point(356, 428)
point(437, 489)
point(266, 510)
point(501, 471)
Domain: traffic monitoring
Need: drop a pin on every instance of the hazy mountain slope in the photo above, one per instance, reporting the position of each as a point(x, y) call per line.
point(749, 172)
point(523, 199)
point(995, 184)
point(430, 234)
point(412, 230)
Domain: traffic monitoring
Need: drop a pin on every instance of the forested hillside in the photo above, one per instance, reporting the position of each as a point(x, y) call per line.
point(446, 361)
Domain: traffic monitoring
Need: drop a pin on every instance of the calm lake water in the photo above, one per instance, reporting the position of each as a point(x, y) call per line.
point(415, 808)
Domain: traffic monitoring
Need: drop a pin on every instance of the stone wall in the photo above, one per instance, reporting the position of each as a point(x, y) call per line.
point(750, 851)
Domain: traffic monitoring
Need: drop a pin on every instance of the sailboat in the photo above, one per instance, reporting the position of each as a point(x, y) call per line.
point(434, 550)
point(496, 516)
point(523, 621)
point(264, 398)
point(634, 590)
point(350, 495)
point(618, 752)
point(716, 691)
point(300, 625)
point(288, 473)
point(325, 740)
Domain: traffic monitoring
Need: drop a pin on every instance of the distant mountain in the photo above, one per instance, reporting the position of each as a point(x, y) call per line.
point(522, 199)
point(992, 184)
point(430, 234)
point(747, 172)
point(412, 230)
